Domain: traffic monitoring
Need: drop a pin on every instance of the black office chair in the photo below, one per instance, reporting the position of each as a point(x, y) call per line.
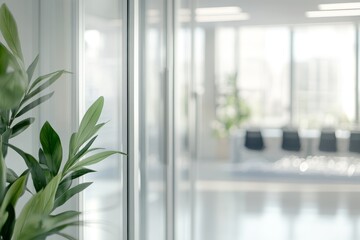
point(254, 140)
point(291, 140)
point(354, 142)
point(328, 141)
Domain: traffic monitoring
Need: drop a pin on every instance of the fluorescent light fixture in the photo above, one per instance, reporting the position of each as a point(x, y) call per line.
point(218, 10)
point(339, 6)
point(334, 13)
point(213, 14)
point(223, 18)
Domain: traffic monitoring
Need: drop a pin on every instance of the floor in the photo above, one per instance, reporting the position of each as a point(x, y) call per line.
point(229, 207)
point(233, 203)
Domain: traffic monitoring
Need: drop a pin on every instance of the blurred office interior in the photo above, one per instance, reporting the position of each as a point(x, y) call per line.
point(240, 117)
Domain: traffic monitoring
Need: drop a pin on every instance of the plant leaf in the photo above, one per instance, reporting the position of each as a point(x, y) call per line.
point(12, 89)
point(34, 104)
point(80, 172)
point(14, 193)
point(4, 59)
point(93, 159)
point(38, 207)
point(21, 126)
point(9, 222)
point(83, 151)
point(12, 61)
point(45, 85)
point(69, 193)
point(39, 79)
point(87, 125)
point(2, 173)
point(64, 216)
point(54, 228)
point(9, 31)
point(64, 235)
point(11, 176)
point(51, 144)
point(64, 185)
point(5, 139)
point(31, 68)
point(37, 173)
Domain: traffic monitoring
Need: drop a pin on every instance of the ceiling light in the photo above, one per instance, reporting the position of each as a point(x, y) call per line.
point(334, 13)
point(223, 18)
point(339, 6)
point(218, 10)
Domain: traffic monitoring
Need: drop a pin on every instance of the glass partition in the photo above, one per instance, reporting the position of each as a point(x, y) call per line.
point(324, 75)
point(105, 75)
point(263, 74)
point(289, 69)
point(184, 133)
point(152, 123)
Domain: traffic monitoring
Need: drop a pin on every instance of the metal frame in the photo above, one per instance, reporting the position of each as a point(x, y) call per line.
point(194, 124)
point(291, 76)
point(78, 88)
point(169, 120)
point(133, 177)
point(357, 111)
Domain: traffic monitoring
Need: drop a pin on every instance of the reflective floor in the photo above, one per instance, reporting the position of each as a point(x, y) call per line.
point(229, 208)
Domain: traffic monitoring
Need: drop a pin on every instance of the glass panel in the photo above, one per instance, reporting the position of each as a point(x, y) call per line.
point(324, 57)
point(153, 178)
point(264, 78)
point(285, 66)
point(182, 83)
point(105, 66)
point(248, 87)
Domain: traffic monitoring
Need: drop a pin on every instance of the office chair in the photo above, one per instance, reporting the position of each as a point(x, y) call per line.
point(328, 141)
point(291, 140)
point(354, 142)
point(254, 140)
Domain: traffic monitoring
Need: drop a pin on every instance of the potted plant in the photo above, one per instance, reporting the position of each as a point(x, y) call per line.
point(230, 113)
point(52, 174)
point(231, 110)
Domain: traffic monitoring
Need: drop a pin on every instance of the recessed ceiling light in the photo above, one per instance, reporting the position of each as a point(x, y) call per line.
point(333, 13)
point(214, 14)
point(339, 6)
point(218, 10)
point(223, 18)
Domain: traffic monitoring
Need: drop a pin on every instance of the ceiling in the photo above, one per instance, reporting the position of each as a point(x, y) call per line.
point(266, 12)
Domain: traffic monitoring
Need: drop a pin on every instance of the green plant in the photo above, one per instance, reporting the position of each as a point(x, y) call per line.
point(231, 110)
point(52, 173)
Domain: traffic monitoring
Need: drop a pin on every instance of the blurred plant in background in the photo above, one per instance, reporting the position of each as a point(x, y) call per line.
point(231, 110)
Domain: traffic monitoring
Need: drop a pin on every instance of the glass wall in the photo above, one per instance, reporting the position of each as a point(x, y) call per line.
point(324, 75)
point(184, 133)
point(264, 74)
point(105, 75)
point(260, 58)
point(279, 68)
point(152, 124)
